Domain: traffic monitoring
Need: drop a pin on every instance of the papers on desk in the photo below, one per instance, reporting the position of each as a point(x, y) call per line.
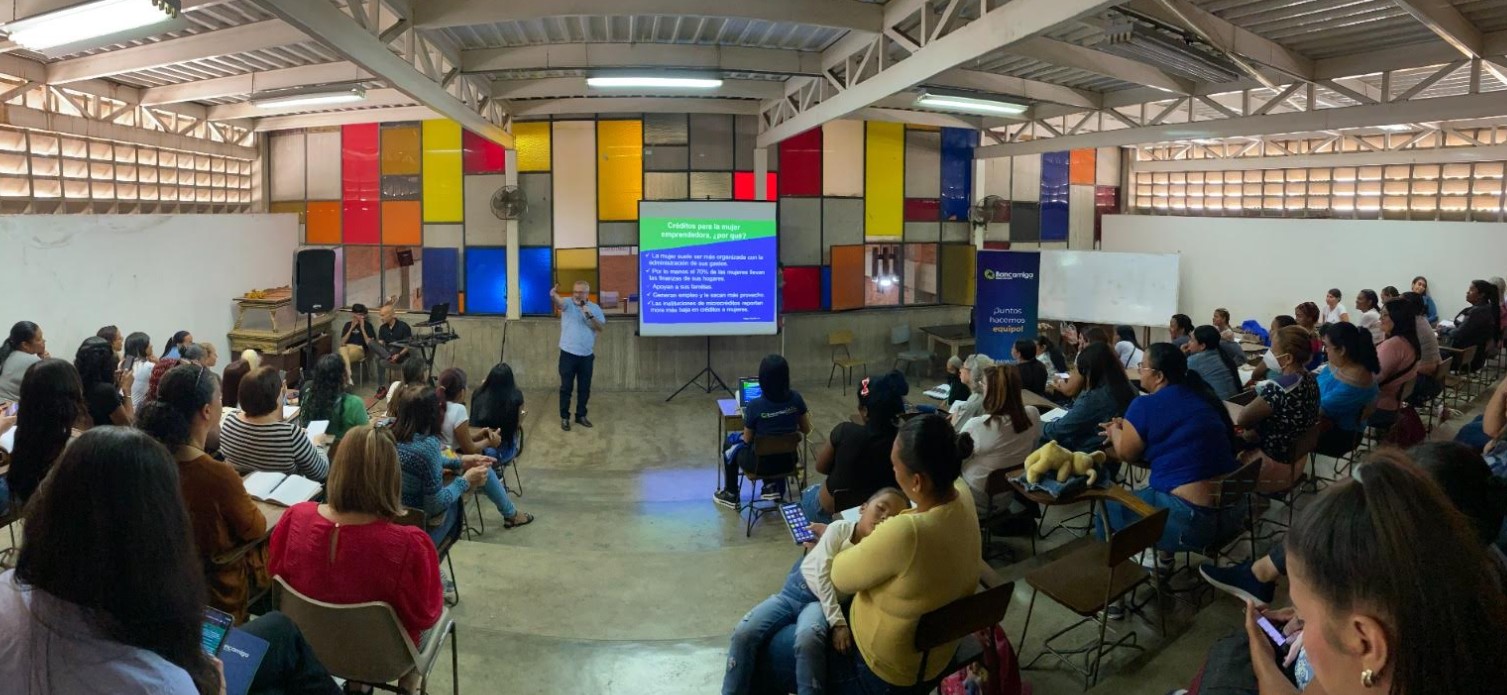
point(290, 412)
point(8, 440)
point(939, 392)
point(1053, 415)
point(316, 429)
point(278, 488)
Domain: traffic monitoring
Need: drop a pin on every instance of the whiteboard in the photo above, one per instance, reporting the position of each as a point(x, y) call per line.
point(73, 274)
point(1136, 289)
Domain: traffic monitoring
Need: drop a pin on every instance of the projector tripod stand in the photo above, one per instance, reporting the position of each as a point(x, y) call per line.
point(708, 372)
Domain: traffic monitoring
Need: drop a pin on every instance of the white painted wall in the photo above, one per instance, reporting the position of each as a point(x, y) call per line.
point(1259, 268)
point(155, 273)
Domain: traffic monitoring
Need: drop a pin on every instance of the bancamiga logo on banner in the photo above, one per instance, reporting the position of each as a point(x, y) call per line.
point(1006, 301)
point(991, 274)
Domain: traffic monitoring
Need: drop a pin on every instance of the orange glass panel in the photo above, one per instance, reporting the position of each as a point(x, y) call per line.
point(322, 223)
point(847, 277)
point(1080, 167)
point(402, 223)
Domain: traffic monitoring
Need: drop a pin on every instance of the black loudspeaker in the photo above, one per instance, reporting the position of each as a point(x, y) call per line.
point(314, 280)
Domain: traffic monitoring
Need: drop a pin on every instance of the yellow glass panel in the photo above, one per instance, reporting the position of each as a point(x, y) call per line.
point(443, 199)
point(620, 169)
point(532, 141)
point(884, 180)
point(576, 259)
point(297, 207)
point(400, 150)
point(957, 273)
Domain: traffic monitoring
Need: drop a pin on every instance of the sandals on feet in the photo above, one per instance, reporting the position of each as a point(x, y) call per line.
point(519, 519)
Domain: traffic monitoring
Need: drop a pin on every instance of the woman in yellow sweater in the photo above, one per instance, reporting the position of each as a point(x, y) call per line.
point(913, 563)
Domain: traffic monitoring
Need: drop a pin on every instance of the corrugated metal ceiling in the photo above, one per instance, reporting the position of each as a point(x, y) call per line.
point(1324, 28)
point(646, 29)
point(293, 55)
point(201, 19)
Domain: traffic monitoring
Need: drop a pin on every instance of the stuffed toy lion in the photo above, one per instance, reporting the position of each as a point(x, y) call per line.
point(1053, 458)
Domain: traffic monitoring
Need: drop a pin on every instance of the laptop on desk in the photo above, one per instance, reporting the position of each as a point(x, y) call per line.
point(748, 389)
point(439, 315)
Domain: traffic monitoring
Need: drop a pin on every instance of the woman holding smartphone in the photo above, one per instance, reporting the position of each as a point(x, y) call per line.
point(69, 632)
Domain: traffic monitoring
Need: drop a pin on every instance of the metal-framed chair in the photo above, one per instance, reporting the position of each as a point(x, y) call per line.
point(1236, 488)
point(1088, 581)
point(765, 447)
point(366, 643)
point(900, 337)
point(842, 358)
point(959, 621)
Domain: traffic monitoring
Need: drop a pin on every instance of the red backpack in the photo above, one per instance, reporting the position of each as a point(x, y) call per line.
point(999, 674)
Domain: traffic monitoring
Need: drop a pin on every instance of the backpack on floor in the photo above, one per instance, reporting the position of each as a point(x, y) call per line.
point(999, 674)
point(1408, 430)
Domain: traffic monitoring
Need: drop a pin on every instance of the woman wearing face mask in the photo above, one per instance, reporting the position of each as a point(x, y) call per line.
point(1286, 406)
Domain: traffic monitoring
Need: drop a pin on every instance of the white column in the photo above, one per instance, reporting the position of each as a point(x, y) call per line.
point(515, 299)
point(761, 173)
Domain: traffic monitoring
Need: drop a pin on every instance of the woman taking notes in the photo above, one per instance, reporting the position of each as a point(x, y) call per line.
point(1183, 432)
point(1108, 393)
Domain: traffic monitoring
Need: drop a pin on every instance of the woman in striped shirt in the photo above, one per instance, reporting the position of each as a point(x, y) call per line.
point(257, 438)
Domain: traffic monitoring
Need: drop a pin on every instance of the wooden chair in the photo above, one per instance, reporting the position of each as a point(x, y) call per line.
point(1235, 488)
point(998, 483)
point(958, 622)
point(1088, 581)
point(900, 337)
point(764, 448)
point(1427, 405)
point(1376, 434)
point(1344, 460)
point(1458, 384)
point(842, 358)
point(365, 642)
point(1292, 489)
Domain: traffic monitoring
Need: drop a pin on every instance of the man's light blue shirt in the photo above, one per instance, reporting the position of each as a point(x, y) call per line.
point(576, 336)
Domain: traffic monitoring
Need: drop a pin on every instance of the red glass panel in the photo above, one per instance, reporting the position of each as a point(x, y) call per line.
point(482, 156)
point(801, 163)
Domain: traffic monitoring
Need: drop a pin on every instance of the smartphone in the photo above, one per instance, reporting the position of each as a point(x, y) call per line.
point(130, 362)
point(384, 422)
point(795, 519)
point(212, 634)
point(1271, 631)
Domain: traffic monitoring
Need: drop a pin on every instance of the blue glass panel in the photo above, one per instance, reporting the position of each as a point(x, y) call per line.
point(1054, 190)
point(536, 276)
point(826, 288)
point(441, 276)
point(486, 280)
point(957, 172)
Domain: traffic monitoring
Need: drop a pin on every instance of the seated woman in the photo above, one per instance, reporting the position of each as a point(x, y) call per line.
point(221, 513)
point(778, 410)
point(1286, 407)
point(973, 376)
point(1073, 385)
point(1213, 364)
point(236, 371)
point(24, 347)
point(1108, 394)
point(176, 344)
point(350, 549)
point(1389, 293)
point(258, 438)
point(1128, 350)
point(139, 361)
point(1368, 314)
point(99, 372)
point(498, 405)
point(915, 562)
point(1307, 315)
point(158, 371)
point(112, 335)
point(1050, 355)
point(54, 414)
point(1004, 435)
point(1354, 573)
point(456, 430)
point(424, 463)
point(957, 389)
point(1221, 322)
point(1184, 433)
point(327, 397)
point(1347, 387)
point(854, 457)
point(1478, 324)
point(412, 372)
point(1333, 311)
point(126, 616)
point(1033, 374)
point(1398, 356)
point(1180, 328)
point(1278, 323)
point(1430, 309)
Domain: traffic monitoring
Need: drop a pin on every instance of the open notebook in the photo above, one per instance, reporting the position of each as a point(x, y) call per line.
point(279, 488)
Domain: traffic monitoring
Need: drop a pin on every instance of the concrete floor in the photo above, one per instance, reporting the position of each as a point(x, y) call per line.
point(632, 579)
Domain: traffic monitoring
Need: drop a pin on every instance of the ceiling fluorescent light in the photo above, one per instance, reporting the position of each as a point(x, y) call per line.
point(953, 102)
point(620, 81)
point(89, 20)
point(305, 97)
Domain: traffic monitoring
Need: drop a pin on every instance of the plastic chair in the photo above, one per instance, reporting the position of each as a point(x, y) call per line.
point(365, 642)
point(842, 358)
point(764, 448)
point(958, 622)
point(900, 336)
point(1088, 581)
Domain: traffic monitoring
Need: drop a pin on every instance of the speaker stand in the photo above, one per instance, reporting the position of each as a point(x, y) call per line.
point(308, 349)
point(708, 372)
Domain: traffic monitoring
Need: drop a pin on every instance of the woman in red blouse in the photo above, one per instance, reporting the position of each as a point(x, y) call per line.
point(349, 550)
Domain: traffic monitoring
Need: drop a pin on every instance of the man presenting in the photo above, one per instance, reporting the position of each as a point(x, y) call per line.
point(391, 332)
point(580, 322)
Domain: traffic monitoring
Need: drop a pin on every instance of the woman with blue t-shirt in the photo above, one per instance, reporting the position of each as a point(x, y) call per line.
point(779, 409)
point(1183, 432)
point(1346, 387)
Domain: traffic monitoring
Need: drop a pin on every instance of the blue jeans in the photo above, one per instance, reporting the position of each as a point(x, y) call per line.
point(1189, 527)
point(811, 504)
point(494, 491)
point(438, 534)
point(796, 607)
point(4, 496)
point(1473, 434)
point(847, 674)
point(505, 453)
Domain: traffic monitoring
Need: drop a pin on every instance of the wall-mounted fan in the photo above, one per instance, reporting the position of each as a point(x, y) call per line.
point(991, 208)
point(508, 203)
